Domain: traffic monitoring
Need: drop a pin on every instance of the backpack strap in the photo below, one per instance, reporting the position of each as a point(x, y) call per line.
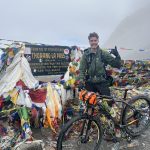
point(104, 65)
point(88, 57)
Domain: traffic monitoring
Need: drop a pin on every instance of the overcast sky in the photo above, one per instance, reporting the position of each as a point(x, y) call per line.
point(63, 22)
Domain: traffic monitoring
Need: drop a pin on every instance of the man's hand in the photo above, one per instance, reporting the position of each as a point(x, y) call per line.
point(115, 51)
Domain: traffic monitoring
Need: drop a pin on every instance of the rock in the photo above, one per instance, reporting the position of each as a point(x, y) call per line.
point(116, 146)
point(133, 144)
point(32, 145)
point(143, 144)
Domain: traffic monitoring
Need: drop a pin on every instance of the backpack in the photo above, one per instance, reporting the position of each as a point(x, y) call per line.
point(88, 97)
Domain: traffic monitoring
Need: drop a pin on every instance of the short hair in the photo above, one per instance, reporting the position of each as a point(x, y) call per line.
point(94, 34)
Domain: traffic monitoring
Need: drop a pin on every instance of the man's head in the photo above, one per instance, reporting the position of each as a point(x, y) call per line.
point(93, 40)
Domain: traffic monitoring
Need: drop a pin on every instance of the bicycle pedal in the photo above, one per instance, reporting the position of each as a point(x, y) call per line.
point(115, 140)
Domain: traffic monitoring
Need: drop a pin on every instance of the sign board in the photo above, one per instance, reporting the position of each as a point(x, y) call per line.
point(48, 60)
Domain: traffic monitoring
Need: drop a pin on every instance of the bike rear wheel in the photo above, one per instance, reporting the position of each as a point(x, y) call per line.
point(140, 121)
point(80, 133)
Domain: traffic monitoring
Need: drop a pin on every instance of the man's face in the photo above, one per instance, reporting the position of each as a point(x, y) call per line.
point(93, 42)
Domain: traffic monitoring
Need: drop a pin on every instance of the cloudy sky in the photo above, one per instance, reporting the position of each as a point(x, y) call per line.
point(63, 22)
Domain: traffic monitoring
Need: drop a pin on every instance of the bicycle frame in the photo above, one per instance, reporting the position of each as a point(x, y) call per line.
point(124, 104)
point(103, 111)
point(108, 115)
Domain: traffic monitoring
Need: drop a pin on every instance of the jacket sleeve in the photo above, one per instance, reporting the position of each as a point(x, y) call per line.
point(82, 68)
point(108, 59)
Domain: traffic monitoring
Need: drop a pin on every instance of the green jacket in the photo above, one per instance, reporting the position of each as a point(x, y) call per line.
point(92, 65)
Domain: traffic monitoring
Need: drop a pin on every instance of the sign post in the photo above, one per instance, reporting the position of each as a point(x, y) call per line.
point(48, 60)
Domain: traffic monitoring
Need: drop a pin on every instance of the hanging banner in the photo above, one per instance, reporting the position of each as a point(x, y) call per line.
point(121, 48)
point(48, 60)
point(141, 50)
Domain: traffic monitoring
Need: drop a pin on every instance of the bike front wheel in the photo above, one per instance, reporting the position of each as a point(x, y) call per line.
point(80, 133)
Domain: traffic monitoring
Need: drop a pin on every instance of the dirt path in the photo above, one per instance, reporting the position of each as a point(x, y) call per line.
point(142, 142)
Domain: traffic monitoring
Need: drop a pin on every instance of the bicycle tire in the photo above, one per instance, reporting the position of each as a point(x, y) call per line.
point(124, 121)
point(65, 128)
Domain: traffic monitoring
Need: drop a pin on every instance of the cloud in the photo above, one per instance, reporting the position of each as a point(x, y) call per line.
point(62, 21)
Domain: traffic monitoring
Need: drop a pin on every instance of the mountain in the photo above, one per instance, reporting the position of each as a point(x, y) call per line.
point(133, 33)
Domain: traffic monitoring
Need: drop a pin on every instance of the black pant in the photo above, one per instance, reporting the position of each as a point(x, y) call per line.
point(101, 88)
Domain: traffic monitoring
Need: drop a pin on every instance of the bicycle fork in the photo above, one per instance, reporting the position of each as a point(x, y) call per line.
point(85, 138)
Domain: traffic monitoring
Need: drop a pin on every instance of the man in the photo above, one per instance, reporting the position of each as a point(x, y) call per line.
point(92, 66)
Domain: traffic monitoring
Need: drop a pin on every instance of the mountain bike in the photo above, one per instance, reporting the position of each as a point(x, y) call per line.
point(99, 120)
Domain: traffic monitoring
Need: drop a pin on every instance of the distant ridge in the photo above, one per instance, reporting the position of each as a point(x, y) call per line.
point(133, 33)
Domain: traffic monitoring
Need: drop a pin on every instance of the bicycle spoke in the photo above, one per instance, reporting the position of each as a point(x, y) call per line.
point(80, 136)
point(138, 120)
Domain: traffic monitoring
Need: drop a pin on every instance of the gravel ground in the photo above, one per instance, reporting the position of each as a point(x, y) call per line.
point(140, 143)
